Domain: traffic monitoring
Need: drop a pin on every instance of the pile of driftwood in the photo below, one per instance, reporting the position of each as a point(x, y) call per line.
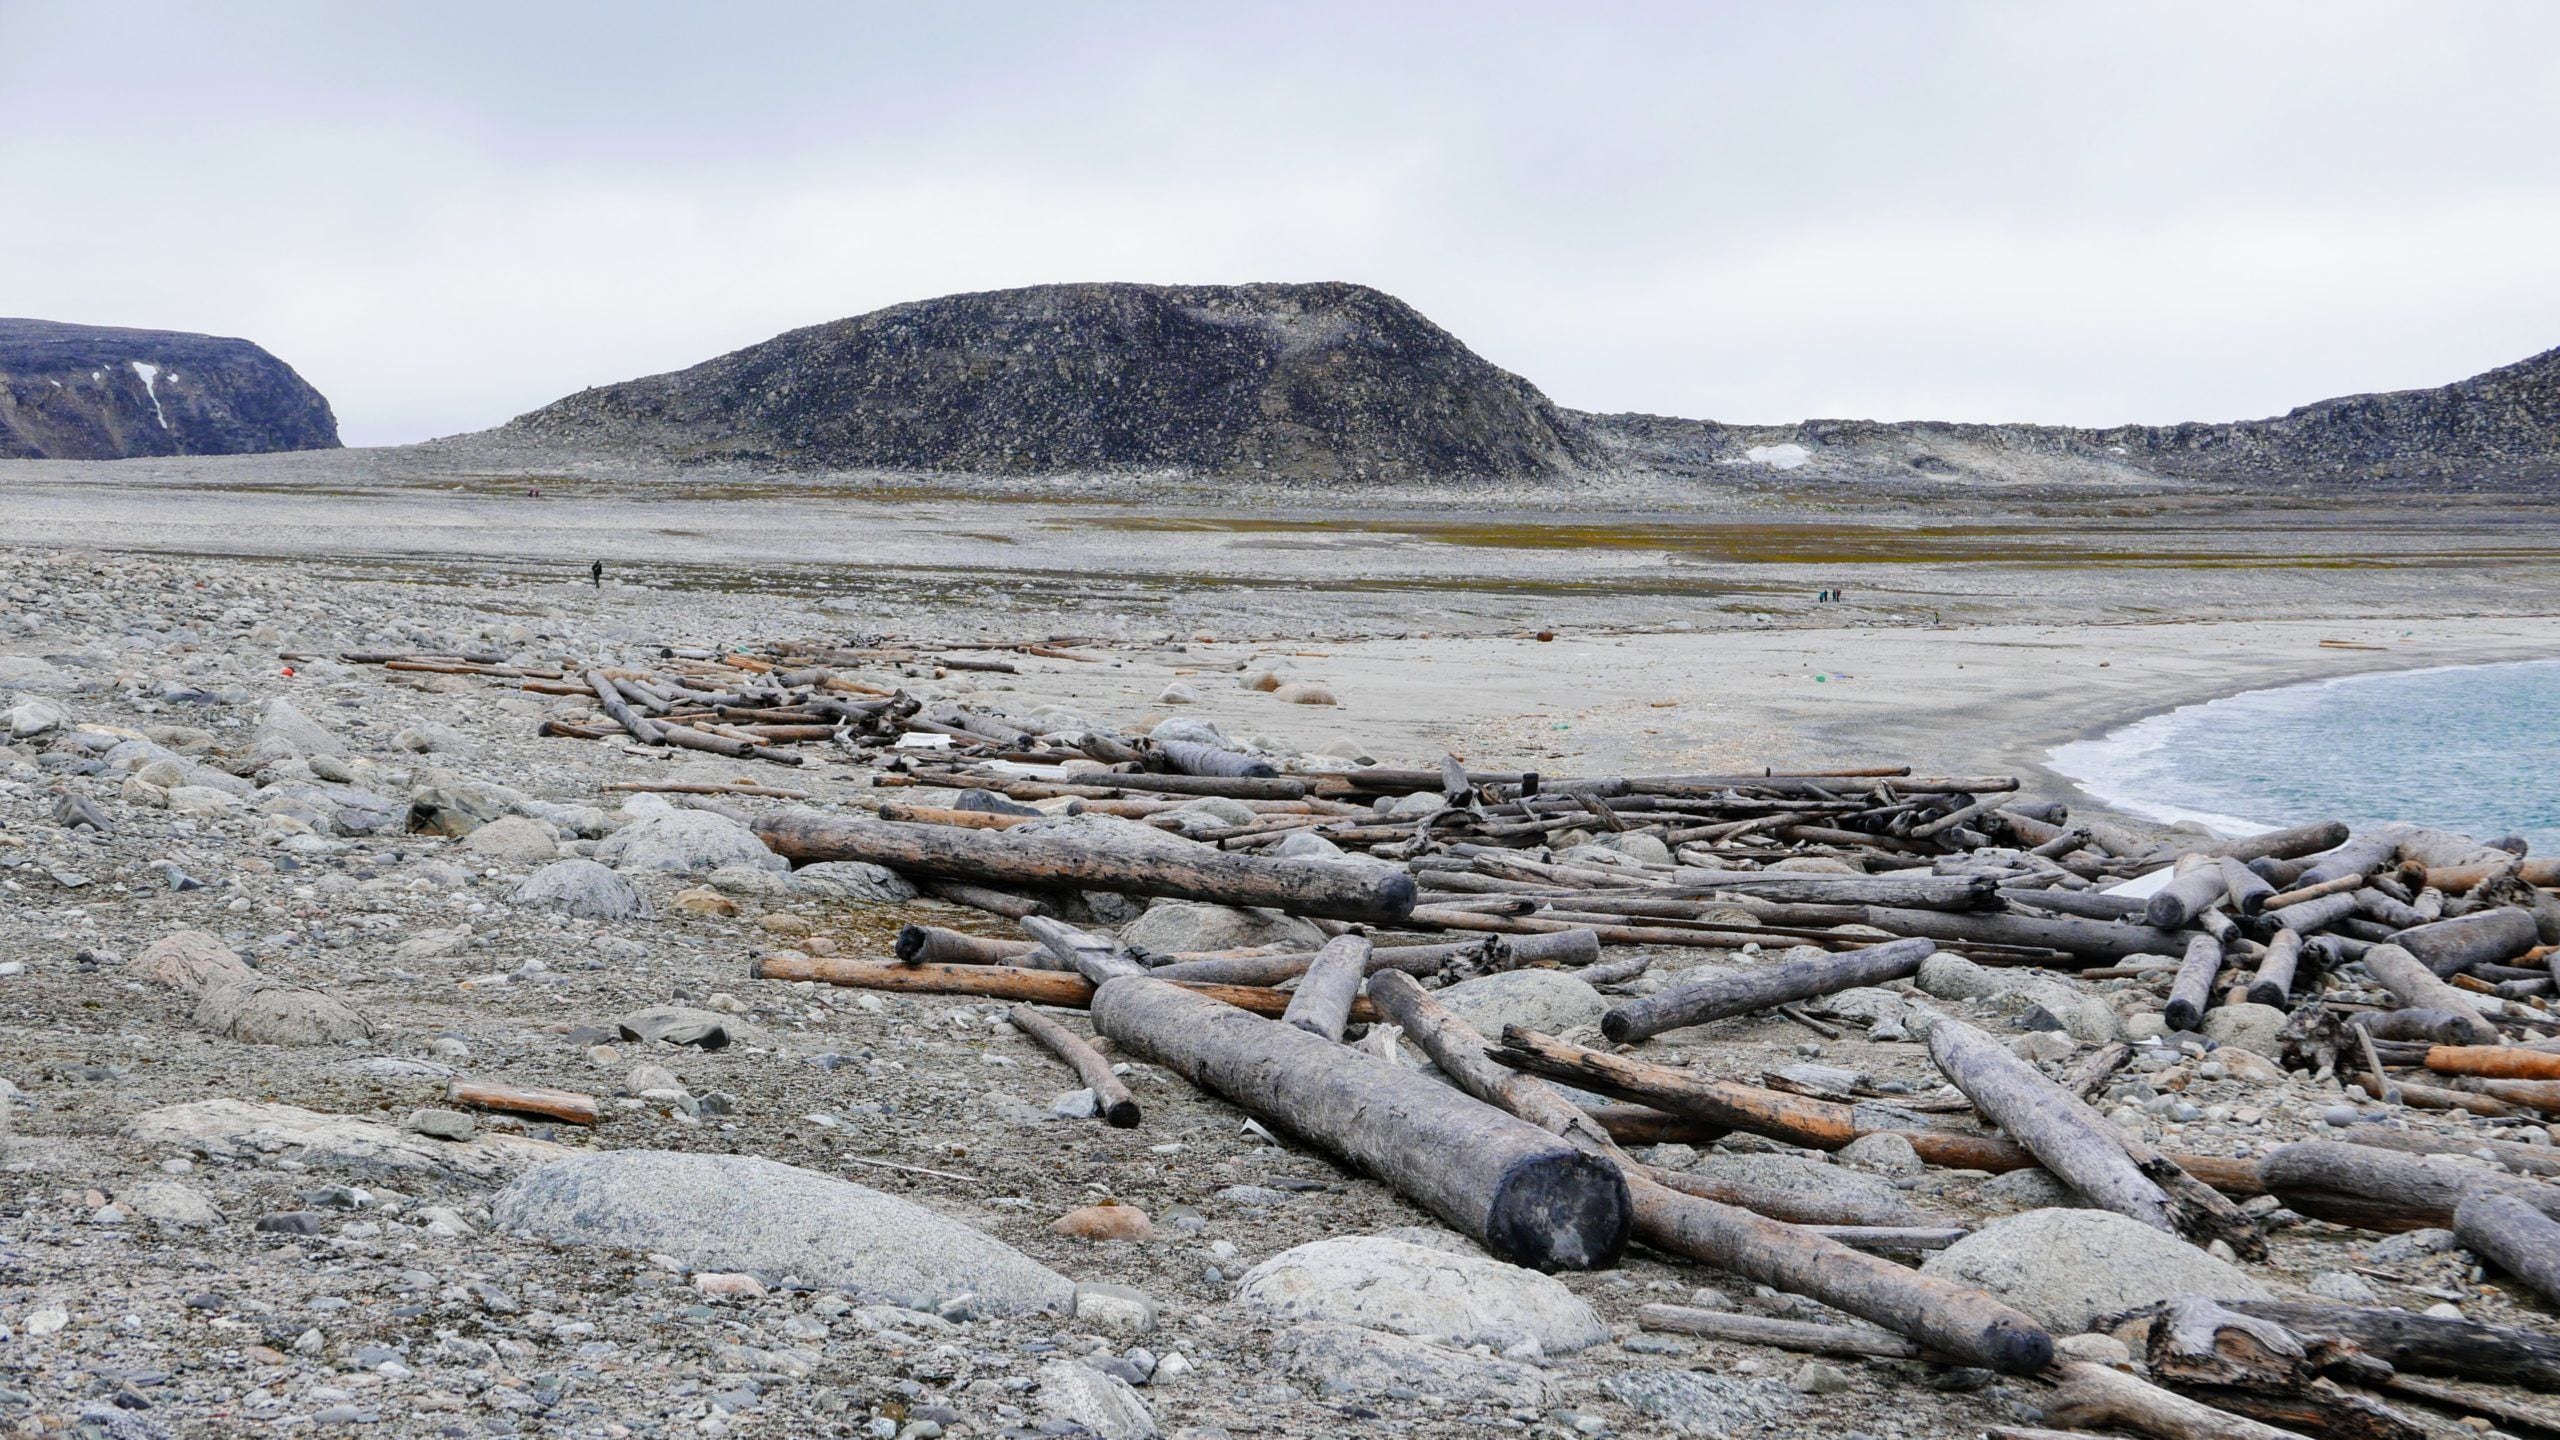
point(2415, 963)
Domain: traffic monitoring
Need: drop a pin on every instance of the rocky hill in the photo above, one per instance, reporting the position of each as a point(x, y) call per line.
point(1336, 382)
point(1302, 382)
point(92, 392)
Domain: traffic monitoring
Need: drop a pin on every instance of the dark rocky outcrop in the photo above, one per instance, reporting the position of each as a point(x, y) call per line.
point(1302, 382)
point(92, 392)
point(1334, 382)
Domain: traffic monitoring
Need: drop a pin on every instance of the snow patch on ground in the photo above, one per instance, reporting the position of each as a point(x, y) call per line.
point(150, 374)
point(1778, 457)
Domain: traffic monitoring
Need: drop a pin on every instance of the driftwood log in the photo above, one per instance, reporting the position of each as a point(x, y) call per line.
point(2427, 1344)
point(2192, 990)
point(2376, 1189)
point(1304, 887)
point(2483, 937)
point(1061, 989)
point(2087, 939)
point(1695, 1001)
point(1779, 1334)
point(2414, 985)
point(1954, 1320)
point(2273, 984)
point(2087, 1394)
point(2254, 1367)
point(2514, 1236)
point(566, 1105)
point(1111, 1097)
point(1525, 1195)
point(1322, 1003)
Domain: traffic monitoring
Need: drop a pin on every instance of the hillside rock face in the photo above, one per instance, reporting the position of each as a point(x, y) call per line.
point(91, 392)
point(1302, 382)
point(2495, 431)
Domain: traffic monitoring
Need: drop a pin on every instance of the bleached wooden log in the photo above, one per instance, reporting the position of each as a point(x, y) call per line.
point(2070, 1139)
point(2192, 991)
point(1111, 1098)
point(2417, 987)
point(1323, 1000)
point(1525, 1195)
point(1703, 997)
point(2514, 1236)
point(2483, 937)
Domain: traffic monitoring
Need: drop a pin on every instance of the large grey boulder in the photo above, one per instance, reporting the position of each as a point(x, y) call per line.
point(1346, 1360)
point(685, 842)
point(1174, 927)
point(286, 729)
point(740, 1213)
point(258, 1010)
point(854, 880)
point(190, 961)
point(582, 887)
point(2069, 1267)
point(1433, 1294)
point(1548, 1001)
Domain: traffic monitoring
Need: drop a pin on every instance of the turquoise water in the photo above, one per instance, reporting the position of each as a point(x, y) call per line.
point(2471, 748)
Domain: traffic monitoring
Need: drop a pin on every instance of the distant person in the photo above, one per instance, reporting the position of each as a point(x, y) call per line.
point(595, 573)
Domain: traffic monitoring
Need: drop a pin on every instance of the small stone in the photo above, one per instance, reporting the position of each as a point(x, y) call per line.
point(1304, 692)
point(443, 1124)
point(1816, 1378)
point(2412, 1245)
point(1104, 1222)
point(2343, 1285)
point(705, 902)
point(2094, 1348)
point(1116, 1307)
point(1882, 1154)
point(731, 1284)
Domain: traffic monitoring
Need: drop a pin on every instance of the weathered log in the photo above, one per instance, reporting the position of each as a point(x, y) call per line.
point(2543, 871)
point(2383, 1190)
point(1060, 989)
point(1644, 1125)
point(1322, 1002)
point(1111, 1097)
point(641, 728)
point(2290, 843)
point(2521, 1159)
point(2087, 1394)
point(2246, 889)
point(2426, 1344)
point(2197, 886)
point(1706, 997)
point(933, 945)
point(2273, 984)
point(1956, 1320)
point(2503, 1062)
point(1796, 1207)
point(1525, 1195)
point(2253, 1367)
point(2515, 1237)
point(2479, 938)
point(2359, 855)
point(2192, 991)
point(2302, 894)
point(2417, 987)
point(1306, 887)
point(1095, 957)
point(2432, 1027)
point(2070, 1139)
point(1916, 892)
point(1778, 1334)
point(2309, 916)
point(1011, 904)
point(1189, 757)
point(2089, 904)
point(2089, 939)
point(566, 1105)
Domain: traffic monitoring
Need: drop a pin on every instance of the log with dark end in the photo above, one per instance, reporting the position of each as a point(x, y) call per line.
point(2515, 1237)
point(2197, 886)
point(1955, 1320)
point(2273, 984)
point(1525, 1195)
point(1322, 1004)
point(1111, 1097)
point(2192, 991)
point(934, 945)
point(2246, 888)
point(1707, 996)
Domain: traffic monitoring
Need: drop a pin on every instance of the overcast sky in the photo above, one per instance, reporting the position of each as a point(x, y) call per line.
point(446, 214)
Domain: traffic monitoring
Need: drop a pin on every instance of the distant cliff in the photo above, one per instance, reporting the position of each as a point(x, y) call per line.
point(1303, 382)
point(91, 392)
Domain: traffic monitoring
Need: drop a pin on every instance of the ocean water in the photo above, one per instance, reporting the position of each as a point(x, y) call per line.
point(2471, 748)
